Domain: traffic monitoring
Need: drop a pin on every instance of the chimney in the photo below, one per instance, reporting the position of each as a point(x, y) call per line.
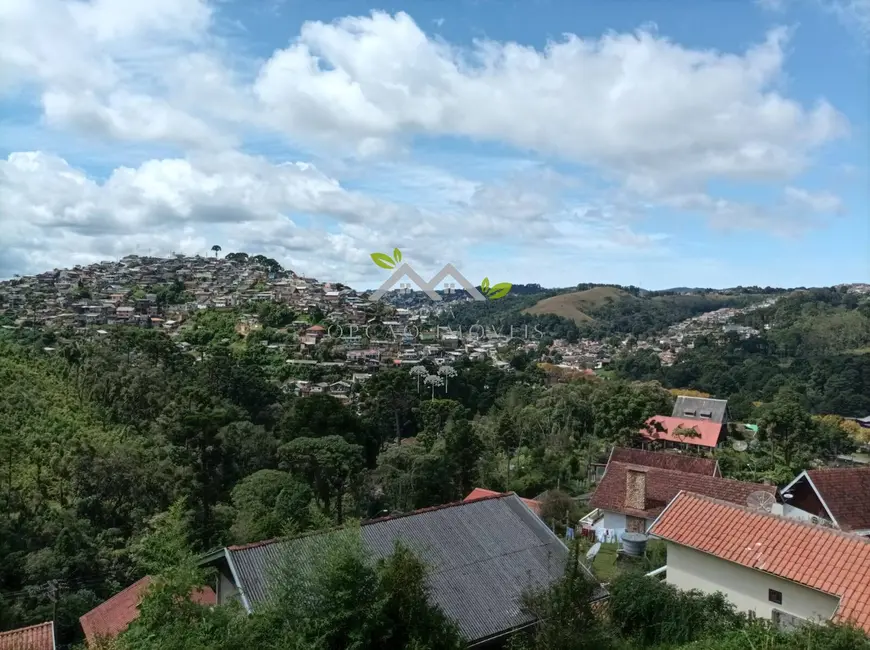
point(635, 489)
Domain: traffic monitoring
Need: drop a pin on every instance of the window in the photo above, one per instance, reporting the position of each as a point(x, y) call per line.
point(774, 596)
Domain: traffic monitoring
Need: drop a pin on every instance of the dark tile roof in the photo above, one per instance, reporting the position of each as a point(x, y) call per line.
point(662, 485)
point(665, 460)
point(112, 617)
point(846, 492)
point(481, 554)
point(35, 637)
point(698, 407)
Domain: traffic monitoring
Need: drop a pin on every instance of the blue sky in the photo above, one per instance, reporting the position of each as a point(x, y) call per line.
point(650, 143)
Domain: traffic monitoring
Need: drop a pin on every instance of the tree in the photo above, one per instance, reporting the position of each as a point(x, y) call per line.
point(447, 372)
point(785, 425)
point(267, 504)
point(216, 249)
point(419, 372)
point(564, 614)
point(328, 465)
point(433, 381)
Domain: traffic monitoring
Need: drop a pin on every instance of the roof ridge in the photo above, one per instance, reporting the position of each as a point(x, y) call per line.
point(120, 593)
point(29, 627)
point(377, 520)
point(693, 474)
point(786, 520)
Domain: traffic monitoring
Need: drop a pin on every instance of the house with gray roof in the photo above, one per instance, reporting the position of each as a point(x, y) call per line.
point(701, 408)
point(481, 555)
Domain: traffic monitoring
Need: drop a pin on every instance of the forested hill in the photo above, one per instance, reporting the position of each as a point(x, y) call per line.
point(599, 311)
point(815, 342)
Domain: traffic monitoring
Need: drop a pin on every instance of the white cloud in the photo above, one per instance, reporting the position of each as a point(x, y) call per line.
point(653, 119)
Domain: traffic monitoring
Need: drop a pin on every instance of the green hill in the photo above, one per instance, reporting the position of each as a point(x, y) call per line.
point(577, 305)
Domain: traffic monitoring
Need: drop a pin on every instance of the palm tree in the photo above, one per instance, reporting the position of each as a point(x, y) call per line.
point(217, 249)
point(433, 381)
point(419, 372)
point(447, 372)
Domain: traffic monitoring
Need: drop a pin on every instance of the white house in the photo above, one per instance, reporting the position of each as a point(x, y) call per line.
point(768, 566)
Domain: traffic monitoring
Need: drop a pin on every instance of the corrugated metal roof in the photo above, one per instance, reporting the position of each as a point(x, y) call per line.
point(482, 555)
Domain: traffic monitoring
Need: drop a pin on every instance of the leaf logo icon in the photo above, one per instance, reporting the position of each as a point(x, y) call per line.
point(385, 261)
point(499, 290)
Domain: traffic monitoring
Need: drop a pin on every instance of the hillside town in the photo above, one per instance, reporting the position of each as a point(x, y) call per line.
point(335, 327)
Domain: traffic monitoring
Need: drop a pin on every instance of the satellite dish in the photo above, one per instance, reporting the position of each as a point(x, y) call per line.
point(761, 501)
point(592, 552)
point(740, 445)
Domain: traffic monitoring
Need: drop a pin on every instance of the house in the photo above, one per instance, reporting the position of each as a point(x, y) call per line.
point(35, 637)
point(662, 460)
point(674, 431)
point(313, 335)
point(701, 408)
point(838, 497)
point(481, 493)
point(630, 497)
point(481, 555)
point(771, 567)
point(112, 617)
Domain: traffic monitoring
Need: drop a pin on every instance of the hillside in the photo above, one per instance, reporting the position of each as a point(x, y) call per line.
point(575, 305)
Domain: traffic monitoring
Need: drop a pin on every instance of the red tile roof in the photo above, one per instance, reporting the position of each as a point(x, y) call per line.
point(662, 485)
point(846, 493)
point(710, 431)
point(821, 558)
point(481, 493)
point(113, 616)
point(665, 460)
point(35, 637)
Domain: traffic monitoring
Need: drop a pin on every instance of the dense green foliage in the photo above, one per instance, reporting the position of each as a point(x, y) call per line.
point(106, 442)
point(815, 346)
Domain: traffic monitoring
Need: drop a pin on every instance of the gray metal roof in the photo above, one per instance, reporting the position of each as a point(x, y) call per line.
point(482, 555)
point(701, 408)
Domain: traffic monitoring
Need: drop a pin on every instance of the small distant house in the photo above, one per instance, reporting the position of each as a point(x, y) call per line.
point(109, 619)
point(835, 496)
point(35, 637)
point(313, 335)
point(770, 567)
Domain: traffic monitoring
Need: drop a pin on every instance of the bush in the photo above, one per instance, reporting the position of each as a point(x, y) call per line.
point(653, 612)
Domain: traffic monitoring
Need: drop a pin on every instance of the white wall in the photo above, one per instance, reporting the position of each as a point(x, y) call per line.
point(746, 588)
point(612, 520)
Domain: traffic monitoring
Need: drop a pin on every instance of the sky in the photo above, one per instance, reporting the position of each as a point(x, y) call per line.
point(656, 144)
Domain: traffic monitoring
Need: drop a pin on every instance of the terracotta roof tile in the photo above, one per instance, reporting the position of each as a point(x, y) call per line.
point(113, 616)
point(662, 485)
point(35, 637)
point(665, 460)
point(846, 492)
point(821, 558)
point(482, 493)
point(709, 431)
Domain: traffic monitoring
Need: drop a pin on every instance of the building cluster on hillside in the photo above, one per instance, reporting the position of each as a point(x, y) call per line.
point(346, 337)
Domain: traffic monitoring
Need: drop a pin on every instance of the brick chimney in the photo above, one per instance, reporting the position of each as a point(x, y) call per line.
point(635, 489)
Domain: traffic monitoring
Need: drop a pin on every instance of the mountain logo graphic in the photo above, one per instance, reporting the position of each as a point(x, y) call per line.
point(489, 292)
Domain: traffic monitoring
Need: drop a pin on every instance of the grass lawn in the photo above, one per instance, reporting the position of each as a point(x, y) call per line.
point(604, 566)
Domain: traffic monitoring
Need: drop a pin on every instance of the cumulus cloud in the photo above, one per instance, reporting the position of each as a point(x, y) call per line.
point(649, 122)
